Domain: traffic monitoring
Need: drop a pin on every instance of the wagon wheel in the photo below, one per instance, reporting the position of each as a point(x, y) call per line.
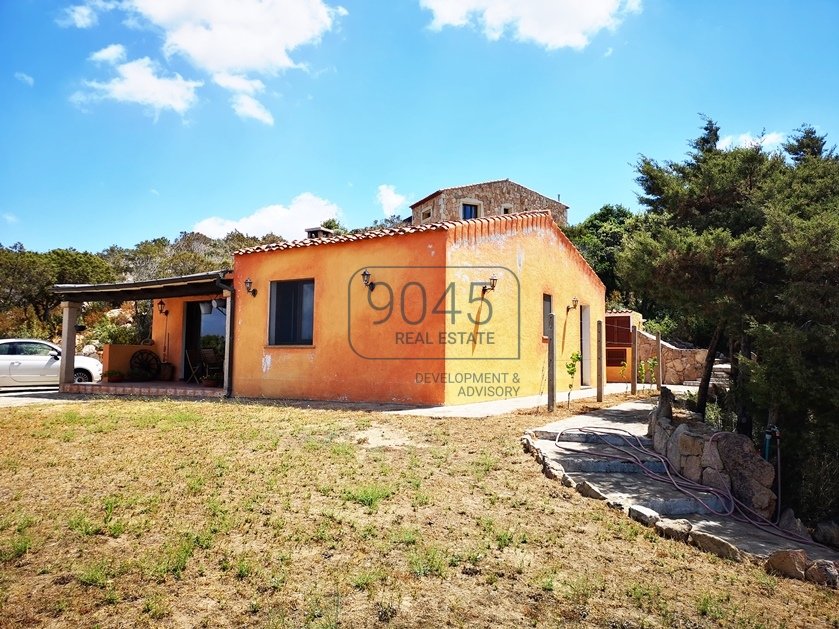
point(146, 361)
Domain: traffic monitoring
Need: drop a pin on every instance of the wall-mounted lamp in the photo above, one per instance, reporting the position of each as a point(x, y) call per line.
point(161, 308)
point(493, 280)
point(249, 287)
point(573, 306)
point(365, 277)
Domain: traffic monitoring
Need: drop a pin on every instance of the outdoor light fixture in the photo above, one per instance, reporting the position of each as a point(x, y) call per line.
point(161, 308)
point(573, 306)
point(493, 280)
point(249, 287)
point(365, 277)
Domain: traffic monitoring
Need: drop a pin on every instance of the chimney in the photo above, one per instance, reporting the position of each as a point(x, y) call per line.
point(319, 232)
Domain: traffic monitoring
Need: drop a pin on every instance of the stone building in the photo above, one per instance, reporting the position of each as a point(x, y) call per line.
point(491, 198)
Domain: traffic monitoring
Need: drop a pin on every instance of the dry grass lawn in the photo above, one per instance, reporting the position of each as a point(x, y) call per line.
point(123, 513)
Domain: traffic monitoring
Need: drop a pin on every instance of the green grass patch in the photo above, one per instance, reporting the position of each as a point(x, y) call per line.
point(368, 495)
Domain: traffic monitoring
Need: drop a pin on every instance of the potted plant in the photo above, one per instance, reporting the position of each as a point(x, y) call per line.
point(114, 375)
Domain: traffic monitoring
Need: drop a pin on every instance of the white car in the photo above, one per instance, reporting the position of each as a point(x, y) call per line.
point(31, 363)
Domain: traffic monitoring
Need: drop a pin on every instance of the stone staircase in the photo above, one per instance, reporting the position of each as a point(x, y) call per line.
point(720, 375)
point(580, 461)
point(576, 459)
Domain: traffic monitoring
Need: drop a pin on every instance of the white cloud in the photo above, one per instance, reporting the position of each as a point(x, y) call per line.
point(228, 40)
point(138, 82)
point(85, 15)
point(389, 199)
point(9, 219)
point(305, 210)
point(608, 52)
point(744, 140)
point(154, 192)
point(549, 23)
point(80, 16)
point(237, 83)
point(247, 106)
point(25, 78)
point(243, 36)
point(109, 54)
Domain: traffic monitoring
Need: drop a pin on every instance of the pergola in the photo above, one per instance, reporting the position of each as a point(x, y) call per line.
point(74, 295)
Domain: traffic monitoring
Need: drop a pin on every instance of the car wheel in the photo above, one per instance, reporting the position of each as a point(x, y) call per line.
point(80, 375)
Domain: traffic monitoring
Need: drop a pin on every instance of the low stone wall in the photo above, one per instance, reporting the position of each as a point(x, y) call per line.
point(678, 365)
point(725, 461)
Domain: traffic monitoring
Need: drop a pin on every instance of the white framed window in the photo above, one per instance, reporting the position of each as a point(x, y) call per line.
point(471, 208)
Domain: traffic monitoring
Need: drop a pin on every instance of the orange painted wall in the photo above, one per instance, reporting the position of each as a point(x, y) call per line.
point(351, 358)
point(118, 357)
point(172, 327)
point(533, 257)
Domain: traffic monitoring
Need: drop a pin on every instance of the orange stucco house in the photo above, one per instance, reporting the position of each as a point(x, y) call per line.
point(439, 313)
point(409, 314)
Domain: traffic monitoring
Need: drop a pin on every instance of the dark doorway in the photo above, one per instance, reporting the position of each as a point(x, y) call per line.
point(204, 328)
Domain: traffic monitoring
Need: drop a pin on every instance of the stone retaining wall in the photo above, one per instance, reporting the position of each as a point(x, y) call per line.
point(678, 365)
point(725, 461)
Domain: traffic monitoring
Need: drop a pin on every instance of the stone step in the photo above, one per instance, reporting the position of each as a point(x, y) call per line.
point(626, 490)
point(572, 436)
point(588, 457)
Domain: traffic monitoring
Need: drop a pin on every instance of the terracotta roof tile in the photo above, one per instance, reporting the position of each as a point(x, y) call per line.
point(388, 232)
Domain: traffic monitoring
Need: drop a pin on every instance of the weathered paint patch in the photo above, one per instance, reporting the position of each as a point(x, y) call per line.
point(266, 363)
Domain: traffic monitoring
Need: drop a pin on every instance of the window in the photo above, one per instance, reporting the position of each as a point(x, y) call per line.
point(615, 357)
point(506, 209)
point(470, 210)
point(25, 348)
point(292, 312)
point(547, 309)
point(618, 331)
point(426, 214)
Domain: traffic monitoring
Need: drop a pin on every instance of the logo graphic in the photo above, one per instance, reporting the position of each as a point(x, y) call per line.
point(434, 313)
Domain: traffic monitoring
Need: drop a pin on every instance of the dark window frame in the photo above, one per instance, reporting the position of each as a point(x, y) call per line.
point(616, 356)
point(473, 209)
point(289, 322)
point(547, 309)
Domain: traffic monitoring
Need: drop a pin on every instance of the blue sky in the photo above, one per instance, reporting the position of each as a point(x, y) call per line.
point(123, 120)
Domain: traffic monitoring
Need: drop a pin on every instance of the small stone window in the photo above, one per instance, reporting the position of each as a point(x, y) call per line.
point(426, 214)
point(470, 210)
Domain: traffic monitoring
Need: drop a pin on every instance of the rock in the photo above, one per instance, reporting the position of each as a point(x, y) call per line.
point(738, 452)
point(590, 491)
point(711, 456)
point(644, 515)
point(790, 523)
point(827, 533)
point(89, 350)
point(665, 403)
point(673, 529)
point(751, 476)
point(788, 563)
point(691, 468)
point(823, 572)
point(716, 479)
point(662, 433)
point(691, 443)
point(716, 545)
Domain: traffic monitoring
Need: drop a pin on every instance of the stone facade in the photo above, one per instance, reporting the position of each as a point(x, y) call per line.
point(677, 365)
point(491, 198)
point(724, 460)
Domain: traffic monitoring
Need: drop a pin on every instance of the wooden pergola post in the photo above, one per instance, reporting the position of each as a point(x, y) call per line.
point(70, 314)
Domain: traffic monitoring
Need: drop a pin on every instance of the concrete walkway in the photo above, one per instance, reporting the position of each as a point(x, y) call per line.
point(40, 396)
point(503, 407)
point(576, 459)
